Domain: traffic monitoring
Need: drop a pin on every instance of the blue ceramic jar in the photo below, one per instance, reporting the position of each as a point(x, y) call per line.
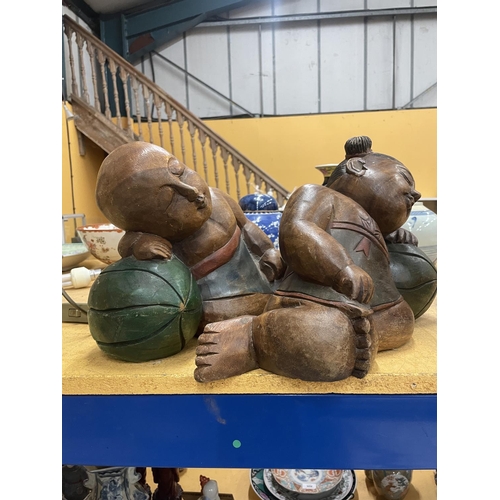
point(262, 210)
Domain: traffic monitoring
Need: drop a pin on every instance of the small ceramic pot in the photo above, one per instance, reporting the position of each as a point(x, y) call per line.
point(391, 484)
point(269, 222)
point(423, 223)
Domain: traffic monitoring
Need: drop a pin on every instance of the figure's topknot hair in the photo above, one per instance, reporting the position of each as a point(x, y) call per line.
point(356, 146)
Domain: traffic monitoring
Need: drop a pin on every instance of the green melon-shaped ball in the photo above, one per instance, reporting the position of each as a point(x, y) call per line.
point(144, 310)
point(414, 275)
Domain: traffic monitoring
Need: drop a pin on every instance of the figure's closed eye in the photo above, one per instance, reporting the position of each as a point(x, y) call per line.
point(406, 175)
point(175, 167)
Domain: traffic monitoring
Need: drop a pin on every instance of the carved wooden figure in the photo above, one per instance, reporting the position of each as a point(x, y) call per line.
point(337, 304)
point(167, 480)
point(165, 207)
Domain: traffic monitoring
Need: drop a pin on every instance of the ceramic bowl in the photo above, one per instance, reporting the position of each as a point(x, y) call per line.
point(73, 254)
point(308, 483)
point(102, 241)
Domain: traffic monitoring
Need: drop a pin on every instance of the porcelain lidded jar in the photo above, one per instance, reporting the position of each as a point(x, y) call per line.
point(262, 210)
point(258, 202)
point(423, 223)
point(391, 484)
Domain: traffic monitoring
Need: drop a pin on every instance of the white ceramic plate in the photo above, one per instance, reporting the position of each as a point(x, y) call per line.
point(344, 491)
point(73, 254)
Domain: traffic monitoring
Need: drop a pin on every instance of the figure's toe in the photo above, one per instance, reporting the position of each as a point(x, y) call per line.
point(201, 375)
point(212, 328)
point(206, 349)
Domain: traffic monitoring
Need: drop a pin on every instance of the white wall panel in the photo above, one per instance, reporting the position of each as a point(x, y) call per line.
point(268, 74)
point(286, 7)
point(207, 59)
point(425, 60)
point(168, 77)
point(340, 5)
point(296, 55)
point(379, 64)
point(426, 100)
point(245, 71)
point(388, 4)
point(403, 61)
point(342, 65)
point(425, 3)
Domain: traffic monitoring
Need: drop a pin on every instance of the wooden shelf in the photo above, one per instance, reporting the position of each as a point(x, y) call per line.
point(237, 482)
point(86, 369)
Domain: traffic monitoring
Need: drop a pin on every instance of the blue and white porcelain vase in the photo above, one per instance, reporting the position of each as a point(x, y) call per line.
point(423, 223)
point(269, 222)
point(115, 483)
point(262, 210)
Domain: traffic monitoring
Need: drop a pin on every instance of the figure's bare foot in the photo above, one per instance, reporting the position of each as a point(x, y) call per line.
point(225, 349)
point(366, 347)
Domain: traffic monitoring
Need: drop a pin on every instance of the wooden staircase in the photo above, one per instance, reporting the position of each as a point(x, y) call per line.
point(97, 128)
point(113, 104)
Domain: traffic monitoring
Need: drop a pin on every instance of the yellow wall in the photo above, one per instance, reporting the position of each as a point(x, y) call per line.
point(83, 169)
point(287, 148)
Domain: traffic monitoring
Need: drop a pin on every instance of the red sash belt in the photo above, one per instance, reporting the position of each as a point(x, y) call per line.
point(218, 258)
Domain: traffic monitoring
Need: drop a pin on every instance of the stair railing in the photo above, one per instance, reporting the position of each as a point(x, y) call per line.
point(142, 110)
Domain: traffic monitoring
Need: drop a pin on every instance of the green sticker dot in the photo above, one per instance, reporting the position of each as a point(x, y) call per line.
point(236, 443)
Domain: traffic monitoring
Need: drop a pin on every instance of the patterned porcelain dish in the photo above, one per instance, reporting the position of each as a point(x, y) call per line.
point(307, 481)
point(102, 241)
point(267, 488)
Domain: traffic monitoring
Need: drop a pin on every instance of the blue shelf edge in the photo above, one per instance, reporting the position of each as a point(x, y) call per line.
point(322, 431)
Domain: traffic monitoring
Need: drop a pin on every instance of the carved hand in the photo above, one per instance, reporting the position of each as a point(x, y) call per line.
point(272, 265)
point(145, 246)
point(355, 283)
point(402, 236)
